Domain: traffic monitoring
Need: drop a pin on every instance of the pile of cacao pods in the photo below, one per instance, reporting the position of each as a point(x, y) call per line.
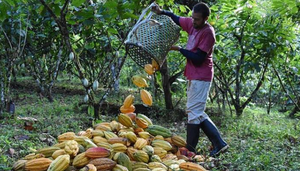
point(129, 143)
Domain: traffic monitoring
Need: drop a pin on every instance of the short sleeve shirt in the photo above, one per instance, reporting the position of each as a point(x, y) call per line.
point(204, 39)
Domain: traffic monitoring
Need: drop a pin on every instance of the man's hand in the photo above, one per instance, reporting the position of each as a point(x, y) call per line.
point(156, 9)
point(174, 47)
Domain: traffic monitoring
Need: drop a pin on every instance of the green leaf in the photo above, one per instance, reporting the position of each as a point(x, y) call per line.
point(77, 3)
point(10, 2)
point(112, 31)
point(129, 15)
point(182, 8)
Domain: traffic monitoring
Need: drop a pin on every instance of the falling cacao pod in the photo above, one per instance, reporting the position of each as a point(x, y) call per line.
point(146, 97)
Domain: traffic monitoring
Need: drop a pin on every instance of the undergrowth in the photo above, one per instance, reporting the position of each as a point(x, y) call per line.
point(258, 141)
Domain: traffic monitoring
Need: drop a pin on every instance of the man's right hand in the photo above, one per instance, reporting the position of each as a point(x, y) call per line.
point(156, 9)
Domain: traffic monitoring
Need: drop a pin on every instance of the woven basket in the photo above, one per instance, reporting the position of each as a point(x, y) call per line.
point(151, 38)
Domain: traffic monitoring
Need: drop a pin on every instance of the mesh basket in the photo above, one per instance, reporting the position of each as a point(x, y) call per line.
point(151, 38)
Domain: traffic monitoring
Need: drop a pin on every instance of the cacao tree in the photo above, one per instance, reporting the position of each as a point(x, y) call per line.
point(249, 38)
point(13, 37)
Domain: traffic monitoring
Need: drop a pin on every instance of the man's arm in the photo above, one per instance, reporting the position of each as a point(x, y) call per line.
point(174, 17)
point(156, 9)
point(196, 57)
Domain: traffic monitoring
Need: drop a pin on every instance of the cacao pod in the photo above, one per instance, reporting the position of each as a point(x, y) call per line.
point(103, 163)
point(129, 109)
point(128, 101)
point(146, 97)
point(149, 69)
point(139, 81)
point(39, 164)
point(97, 152)
point(61, 163)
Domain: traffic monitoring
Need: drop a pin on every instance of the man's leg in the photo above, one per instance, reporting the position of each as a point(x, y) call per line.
point(213, 134)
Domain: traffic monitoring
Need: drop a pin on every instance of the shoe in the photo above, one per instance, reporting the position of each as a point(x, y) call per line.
point(213, 134)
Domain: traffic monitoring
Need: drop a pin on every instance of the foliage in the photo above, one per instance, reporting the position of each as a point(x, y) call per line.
point(249, 38)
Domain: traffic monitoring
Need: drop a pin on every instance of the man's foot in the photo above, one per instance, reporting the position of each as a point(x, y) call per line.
point(217, 151)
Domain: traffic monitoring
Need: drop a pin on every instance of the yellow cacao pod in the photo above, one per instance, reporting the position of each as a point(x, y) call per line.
point(115, 126)
point(178, 141)
point(130, 150)
point(66, 136)
point(154, 165)
point(131, 136)
point(118, 140)
point(33, 156)
point(139, 165)
point(125, 120)
point(108, 135)
point(155, 65)
point(19, 165)
point(140, 143)
point(48, 151)
point(39, 164)
point(104, 145)
point(118, 147)
point(72, 147)
point(103, 127)
point(149, 69)
point(142, 123)
point(146, 118)
point(61, 163)
point(129, 109)
point(98, 139)
point(146, 97)
point(144, 135)
point(119, 167)
point(160, 152)
point(141, 156)
point(128, 101)
point(162, 143)
point(98, 133)
point(58, 153)
point(80, 160)
point(189, 166)
point(139, 81)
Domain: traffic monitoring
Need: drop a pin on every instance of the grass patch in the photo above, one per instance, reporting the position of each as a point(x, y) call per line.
point(258, 141)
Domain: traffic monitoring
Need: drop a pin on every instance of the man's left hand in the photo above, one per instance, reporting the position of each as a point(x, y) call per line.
point(175, 47)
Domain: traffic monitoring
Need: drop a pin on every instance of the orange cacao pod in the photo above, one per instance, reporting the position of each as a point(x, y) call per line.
point(128, 101)
point(39, 164)
point(141, 122)
point(146, 97)
point(129, 109)
point(189, 166)
point(149, 69)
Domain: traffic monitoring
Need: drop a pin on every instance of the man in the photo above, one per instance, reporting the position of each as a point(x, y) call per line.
point(199, 73)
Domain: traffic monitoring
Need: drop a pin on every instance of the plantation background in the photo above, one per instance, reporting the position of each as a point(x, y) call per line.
point(49, 47)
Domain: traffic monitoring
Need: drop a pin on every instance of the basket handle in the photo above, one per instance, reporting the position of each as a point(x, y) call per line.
point(139, 22)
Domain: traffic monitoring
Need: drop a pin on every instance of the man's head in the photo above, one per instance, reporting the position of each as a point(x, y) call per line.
point(200, 14)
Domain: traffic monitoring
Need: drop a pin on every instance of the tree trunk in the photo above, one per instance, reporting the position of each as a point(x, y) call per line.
point(295, 110)
point(166, 86)
point(239, 110)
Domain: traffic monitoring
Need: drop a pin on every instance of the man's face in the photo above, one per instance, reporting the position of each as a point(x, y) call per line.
point(198, 20)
